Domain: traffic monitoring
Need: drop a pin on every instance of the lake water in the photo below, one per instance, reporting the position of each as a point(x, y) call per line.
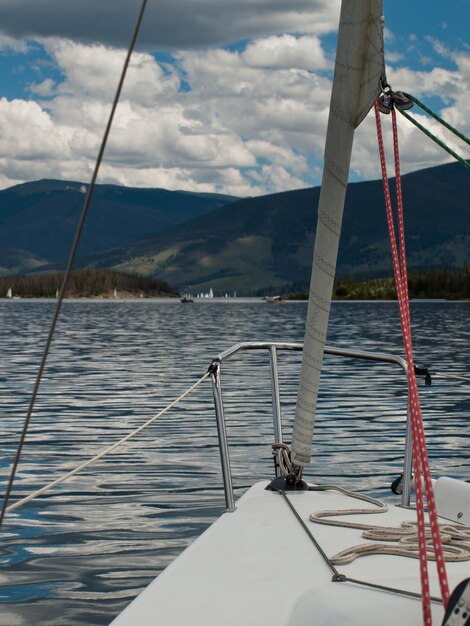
point(79, 554)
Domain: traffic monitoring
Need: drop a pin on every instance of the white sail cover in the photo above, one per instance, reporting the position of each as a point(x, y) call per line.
point(356, 84)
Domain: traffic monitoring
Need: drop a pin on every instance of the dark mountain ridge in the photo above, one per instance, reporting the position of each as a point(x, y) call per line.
point(266, 241)
point(39, 218)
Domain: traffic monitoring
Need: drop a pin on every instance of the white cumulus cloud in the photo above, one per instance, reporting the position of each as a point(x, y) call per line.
point(243, 120)
point(287, 52)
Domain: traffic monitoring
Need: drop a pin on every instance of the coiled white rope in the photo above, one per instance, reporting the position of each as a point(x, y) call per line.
point(107, 450)
point(455, 537)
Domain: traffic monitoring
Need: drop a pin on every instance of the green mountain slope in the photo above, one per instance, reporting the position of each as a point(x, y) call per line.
point(266, 242)
point(40, 217)
point(17, 261)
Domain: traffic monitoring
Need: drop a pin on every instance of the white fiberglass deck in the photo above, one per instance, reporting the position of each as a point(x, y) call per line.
point(257, 566)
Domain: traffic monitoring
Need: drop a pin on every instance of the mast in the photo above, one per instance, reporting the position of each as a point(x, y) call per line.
point(356, 84)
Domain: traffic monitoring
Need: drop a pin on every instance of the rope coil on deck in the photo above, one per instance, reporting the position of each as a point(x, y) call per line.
point(455, 537)
point(339, 577)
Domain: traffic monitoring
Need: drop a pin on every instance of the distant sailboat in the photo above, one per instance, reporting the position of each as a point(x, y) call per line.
point(115, 294)
point(211, 293)
point(9, 293)
point(57, 294)
point(273, 299)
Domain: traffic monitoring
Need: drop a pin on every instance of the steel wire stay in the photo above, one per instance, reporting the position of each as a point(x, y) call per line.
point(71, 259)
point(427, 132)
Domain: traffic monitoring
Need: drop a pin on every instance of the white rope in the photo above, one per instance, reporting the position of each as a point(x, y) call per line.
point(101, 454)
point(281, 452)
point(455, 537)
point(465, 379)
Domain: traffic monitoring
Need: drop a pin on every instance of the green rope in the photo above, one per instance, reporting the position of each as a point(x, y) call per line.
point(435, 139)
point(440, 120)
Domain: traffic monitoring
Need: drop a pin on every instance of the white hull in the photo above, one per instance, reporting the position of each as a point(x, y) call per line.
point(257, 566)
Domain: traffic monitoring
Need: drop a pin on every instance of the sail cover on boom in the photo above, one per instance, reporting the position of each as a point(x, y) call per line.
point(356, 84)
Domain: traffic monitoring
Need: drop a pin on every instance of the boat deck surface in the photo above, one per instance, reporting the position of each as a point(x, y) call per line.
point(257, 566)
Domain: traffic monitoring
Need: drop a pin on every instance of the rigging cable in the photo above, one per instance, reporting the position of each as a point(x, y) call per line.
point(418, 437)
point(70, 262)
point(427, 132)
point(439, 119)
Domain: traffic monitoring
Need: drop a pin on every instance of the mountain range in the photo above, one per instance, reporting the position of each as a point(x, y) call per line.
point(38, 219)
point(198, 241)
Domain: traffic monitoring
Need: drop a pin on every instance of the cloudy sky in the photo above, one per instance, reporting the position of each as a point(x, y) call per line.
point(221, 95)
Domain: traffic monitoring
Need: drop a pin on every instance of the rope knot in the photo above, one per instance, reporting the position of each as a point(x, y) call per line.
point(282, 458)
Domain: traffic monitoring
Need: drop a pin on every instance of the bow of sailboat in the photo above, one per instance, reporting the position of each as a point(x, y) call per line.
point(273, 558)
point(259, 565)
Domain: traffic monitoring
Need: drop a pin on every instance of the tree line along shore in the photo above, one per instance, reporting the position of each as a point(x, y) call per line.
point(446, 284)
point(86, 283)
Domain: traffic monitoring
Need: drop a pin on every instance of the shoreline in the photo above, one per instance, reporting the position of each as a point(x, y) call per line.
point(217, 300)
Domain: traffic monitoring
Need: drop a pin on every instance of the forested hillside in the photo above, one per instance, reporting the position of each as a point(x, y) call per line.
point(85, 283)
point(438, 283)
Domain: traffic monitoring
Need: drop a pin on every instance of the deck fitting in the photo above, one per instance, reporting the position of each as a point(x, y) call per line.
point(285, 483)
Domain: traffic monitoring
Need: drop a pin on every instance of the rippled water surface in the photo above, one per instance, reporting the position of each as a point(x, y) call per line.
point(79, 554)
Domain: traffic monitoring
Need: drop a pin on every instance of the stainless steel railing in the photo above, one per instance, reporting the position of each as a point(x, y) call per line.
point(273, 348)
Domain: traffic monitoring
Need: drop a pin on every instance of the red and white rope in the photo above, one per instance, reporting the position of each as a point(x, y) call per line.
point(420, 455)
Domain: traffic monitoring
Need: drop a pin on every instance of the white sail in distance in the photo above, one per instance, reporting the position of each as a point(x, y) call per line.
point(356, 84)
